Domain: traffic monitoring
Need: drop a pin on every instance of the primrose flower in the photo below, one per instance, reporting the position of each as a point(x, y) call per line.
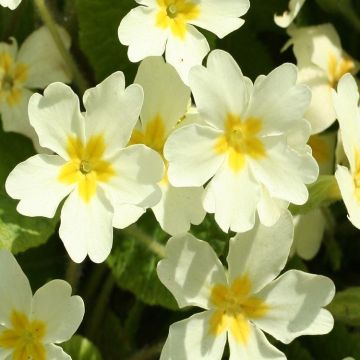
point(35, 65)
point(166, 102)
point(31, 325)
point(158, 26)
point(11, 4)
point(244, 300)
point(94, 168)
point(288, 17)
point(322, 62)
point(346, 102)
point(251, 148)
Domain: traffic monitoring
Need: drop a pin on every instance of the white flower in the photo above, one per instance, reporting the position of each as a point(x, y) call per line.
point(158, 26)
point(93, 166)
point(252, 147)
point(244, 300)
point(347, 110)
point(11, 4)
point(166, 100)
point(322, 62)
point(288, 17)
point(35, 65)
point(31, 325)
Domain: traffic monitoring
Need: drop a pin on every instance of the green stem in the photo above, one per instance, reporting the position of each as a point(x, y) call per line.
point(147, 240)
point(70, 63)
point(100, 306)
point(73, 274)
point(92, 283)
point(148, 353)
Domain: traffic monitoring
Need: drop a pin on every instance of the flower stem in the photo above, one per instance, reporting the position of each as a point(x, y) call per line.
point(69, 61)
point(73, 274)
point(147, 240)
point(148, 353)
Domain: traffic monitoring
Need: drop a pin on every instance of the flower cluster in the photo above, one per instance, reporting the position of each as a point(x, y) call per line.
point(186, 139)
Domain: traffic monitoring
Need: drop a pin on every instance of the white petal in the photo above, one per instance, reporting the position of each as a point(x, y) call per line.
point(125, 215)
point(56, 116)
point(262, 252)
point(15, 118)
point(284, 172)
point(138, 170)
point(112, 110)
point(228, 192)
point(61, 312)
point(347, 189)
point(11, 4)
point(191, 339)
point(219, 89)
point(221, 18)
point(15, 290)
point(288, 17)
point(54, 352)
point(346, 105)
point(274, 95)
point(86, 228)
point(165, 94)
point(179, 208)
point(190, 269)
point(269, 208)
point(45, 63)
point(138, 31)
point(295, 302)
point(186, 53)
point(35, 183)
point(309, 231)
point(190, 151)
point(257, 347)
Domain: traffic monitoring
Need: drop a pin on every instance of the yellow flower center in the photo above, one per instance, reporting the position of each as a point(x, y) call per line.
point(240, 140)
point(234, 307)
point(154, 136)
point(24, 338)
point(86, 166)
point(338, 68)
point(12, 77)
point(175, 14)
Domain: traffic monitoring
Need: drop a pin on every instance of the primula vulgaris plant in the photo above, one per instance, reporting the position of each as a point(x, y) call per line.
point(255, 149)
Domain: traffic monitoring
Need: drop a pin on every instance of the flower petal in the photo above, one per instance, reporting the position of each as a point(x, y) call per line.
point(165, 95)
point(221, 18)
point(35, 183)
point(54, 352)
point(192, 339)
point(288, 17)
point(138, 31)
point(11, 4)
point(257, 347)
point(179, 208)
point(56, 116)
point(138, 170)
point(190, 269)
point(262, 252)
point(61, 312)
point(219, 89)
point(15, 290)
point(227, 193)
point(191, 153)
point(185, 53)
point(112, 110)
point(125, 215)
point(45, 63)
point(295, 302)
point(86, 228)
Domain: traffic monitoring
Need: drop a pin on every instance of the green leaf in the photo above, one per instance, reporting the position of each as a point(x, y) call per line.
point(80, 348)
point(134, 266)
point(17, 232)
point(346, 306)
point(99, 21)
point(323, 192)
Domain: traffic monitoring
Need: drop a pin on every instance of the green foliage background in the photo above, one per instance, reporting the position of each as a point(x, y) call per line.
point(128, 310)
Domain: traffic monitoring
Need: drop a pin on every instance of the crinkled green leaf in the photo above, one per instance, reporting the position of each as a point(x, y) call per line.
point(80, 348)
